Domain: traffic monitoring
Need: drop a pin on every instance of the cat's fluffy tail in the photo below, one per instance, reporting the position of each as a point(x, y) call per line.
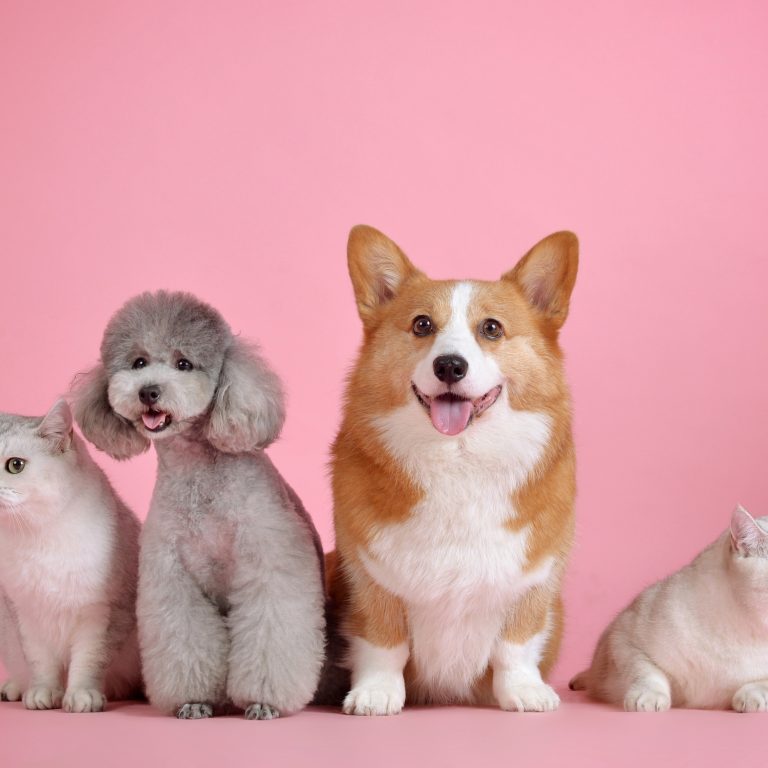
point(579, 682)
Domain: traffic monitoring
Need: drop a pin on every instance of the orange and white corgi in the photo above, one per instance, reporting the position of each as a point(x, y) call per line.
point(453, 481)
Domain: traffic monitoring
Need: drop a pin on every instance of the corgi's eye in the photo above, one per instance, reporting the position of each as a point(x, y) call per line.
point(422, 326)
point(184, 365)
point(15, 465)
point(139, 362)
point(492, 329)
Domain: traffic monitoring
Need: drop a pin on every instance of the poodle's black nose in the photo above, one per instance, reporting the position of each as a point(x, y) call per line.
point(149, 394)
point(450, 368)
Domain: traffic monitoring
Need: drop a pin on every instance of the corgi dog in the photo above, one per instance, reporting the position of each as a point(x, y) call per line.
point(453, 482)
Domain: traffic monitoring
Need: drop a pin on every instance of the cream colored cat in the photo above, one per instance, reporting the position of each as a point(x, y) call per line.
point(68, 563)
point(697, 639)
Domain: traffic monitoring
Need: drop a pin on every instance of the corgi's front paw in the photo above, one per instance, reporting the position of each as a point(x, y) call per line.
point(84, 700)
point(42, 697)
point(10, 691)
point(641, 698)
point(532, 697)
point(378, 699)
point(752, 697)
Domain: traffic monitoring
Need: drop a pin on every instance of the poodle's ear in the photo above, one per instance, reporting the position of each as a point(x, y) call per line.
point(248, 409)
point(98, 422)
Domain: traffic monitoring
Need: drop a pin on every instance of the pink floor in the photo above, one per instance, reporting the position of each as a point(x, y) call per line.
point(579, 734)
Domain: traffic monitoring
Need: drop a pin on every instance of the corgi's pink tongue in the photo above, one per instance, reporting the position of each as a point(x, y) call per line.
point(153, 420)
point(450, 416)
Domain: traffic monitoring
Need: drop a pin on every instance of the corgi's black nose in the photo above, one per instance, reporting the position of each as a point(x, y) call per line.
point(450, 368)
point(149, 394)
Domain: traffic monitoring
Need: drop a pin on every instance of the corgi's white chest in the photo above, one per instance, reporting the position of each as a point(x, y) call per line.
point(455, 562)
point(450, 549)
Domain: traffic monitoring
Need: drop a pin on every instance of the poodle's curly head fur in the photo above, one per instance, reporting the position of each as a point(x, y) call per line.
point(170, 365)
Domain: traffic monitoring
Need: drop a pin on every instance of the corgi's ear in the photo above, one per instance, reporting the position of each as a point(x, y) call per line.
point(248, 408)
point(107, 430)
point(747, 536)
point(546, 275)
point(56, 426)
point(377, 267)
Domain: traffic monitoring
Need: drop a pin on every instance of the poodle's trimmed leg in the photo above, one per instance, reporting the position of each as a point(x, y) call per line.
point(276, 623)
point(183, 638)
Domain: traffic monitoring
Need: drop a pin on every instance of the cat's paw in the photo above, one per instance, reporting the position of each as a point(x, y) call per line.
point(261, 712)
point(640, 698)
point(10, 691)
point(84, 700)
point(42, 697)
point(377, 699)
point(194, 711)
point(533, 697)
point(752, 697)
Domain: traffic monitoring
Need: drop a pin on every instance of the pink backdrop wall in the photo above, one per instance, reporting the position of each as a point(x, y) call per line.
point(226, 149)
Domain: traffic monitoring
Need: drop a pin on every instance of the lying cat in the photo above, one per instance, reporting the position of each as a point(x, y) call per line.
point(697, 639)
point(68, 562)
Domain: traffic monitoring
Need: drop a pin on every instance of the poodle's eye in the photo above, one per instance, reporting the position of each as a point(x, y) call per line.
point(184, 365)
point(15, 465)
point(422, 326)
point(492, 329)
point(139, 362)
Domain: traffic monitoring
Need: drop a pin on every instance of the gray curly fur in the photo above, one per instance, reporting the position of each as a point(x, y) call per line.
point(231, 600)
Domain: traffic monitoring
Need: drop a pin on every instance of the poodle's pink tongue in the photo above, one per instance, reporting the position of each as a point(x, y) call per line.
point(450, 416)
point(153, 420)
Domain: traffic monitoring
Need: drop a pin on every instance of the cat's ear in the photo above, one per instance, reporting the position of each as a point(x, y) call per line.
point(106, 429)
point(56, 426)
point(747, 536)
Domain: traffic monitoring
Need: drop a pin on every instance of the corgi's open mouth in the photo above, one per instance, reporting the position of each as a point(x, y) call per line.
point(156, 421)
point(451, 413)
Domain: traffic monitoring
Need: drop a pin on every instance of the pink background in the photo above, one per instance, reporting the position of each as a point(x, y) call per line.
point(226, 148)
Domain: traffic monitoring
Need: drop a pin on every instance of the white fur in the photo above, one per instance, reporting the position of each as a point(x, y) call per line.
point(457, 337)
point(68, 558)
point(697, 639)
point(378, 687)
point(517, 683)
point(453, 562)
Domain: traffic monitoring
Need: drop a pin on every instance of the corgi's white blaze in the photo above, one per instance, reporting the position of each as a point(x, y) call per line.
point(454, 562)
point(378, 687)
point(457, 337)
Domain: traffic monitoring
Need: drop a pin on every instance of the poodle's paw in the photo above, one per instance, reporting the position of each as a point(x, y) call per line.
point(261, 712)
point(531, 697)
point(641, 698)
point(194, 711)
point(752, 697)
point(377, 699)
point(84, 700)
point(42, 697)
point(10, 690)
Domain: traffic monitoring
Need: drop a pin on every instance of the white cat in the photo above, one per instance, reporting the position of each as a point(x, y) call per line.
point(697, 639)
point(68, 563)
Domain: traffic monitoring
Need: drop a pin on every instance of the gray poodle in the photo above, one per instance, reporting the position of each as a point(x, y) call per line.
point(230, 604)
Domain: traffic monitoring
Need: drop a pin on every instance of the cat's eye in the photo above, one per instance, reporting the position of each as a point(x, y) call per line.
point(492, 329)
point(14, 465)
point(184, 365)
point(139, 362)
point(422, 325)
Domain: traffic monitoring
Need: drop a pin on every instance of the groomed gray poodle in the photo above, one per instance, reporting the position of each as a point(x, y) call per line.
point(230, 604)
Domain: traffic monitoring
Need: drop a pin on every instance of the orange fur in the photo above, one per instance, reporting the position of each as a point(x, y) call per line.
point(373, 491)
